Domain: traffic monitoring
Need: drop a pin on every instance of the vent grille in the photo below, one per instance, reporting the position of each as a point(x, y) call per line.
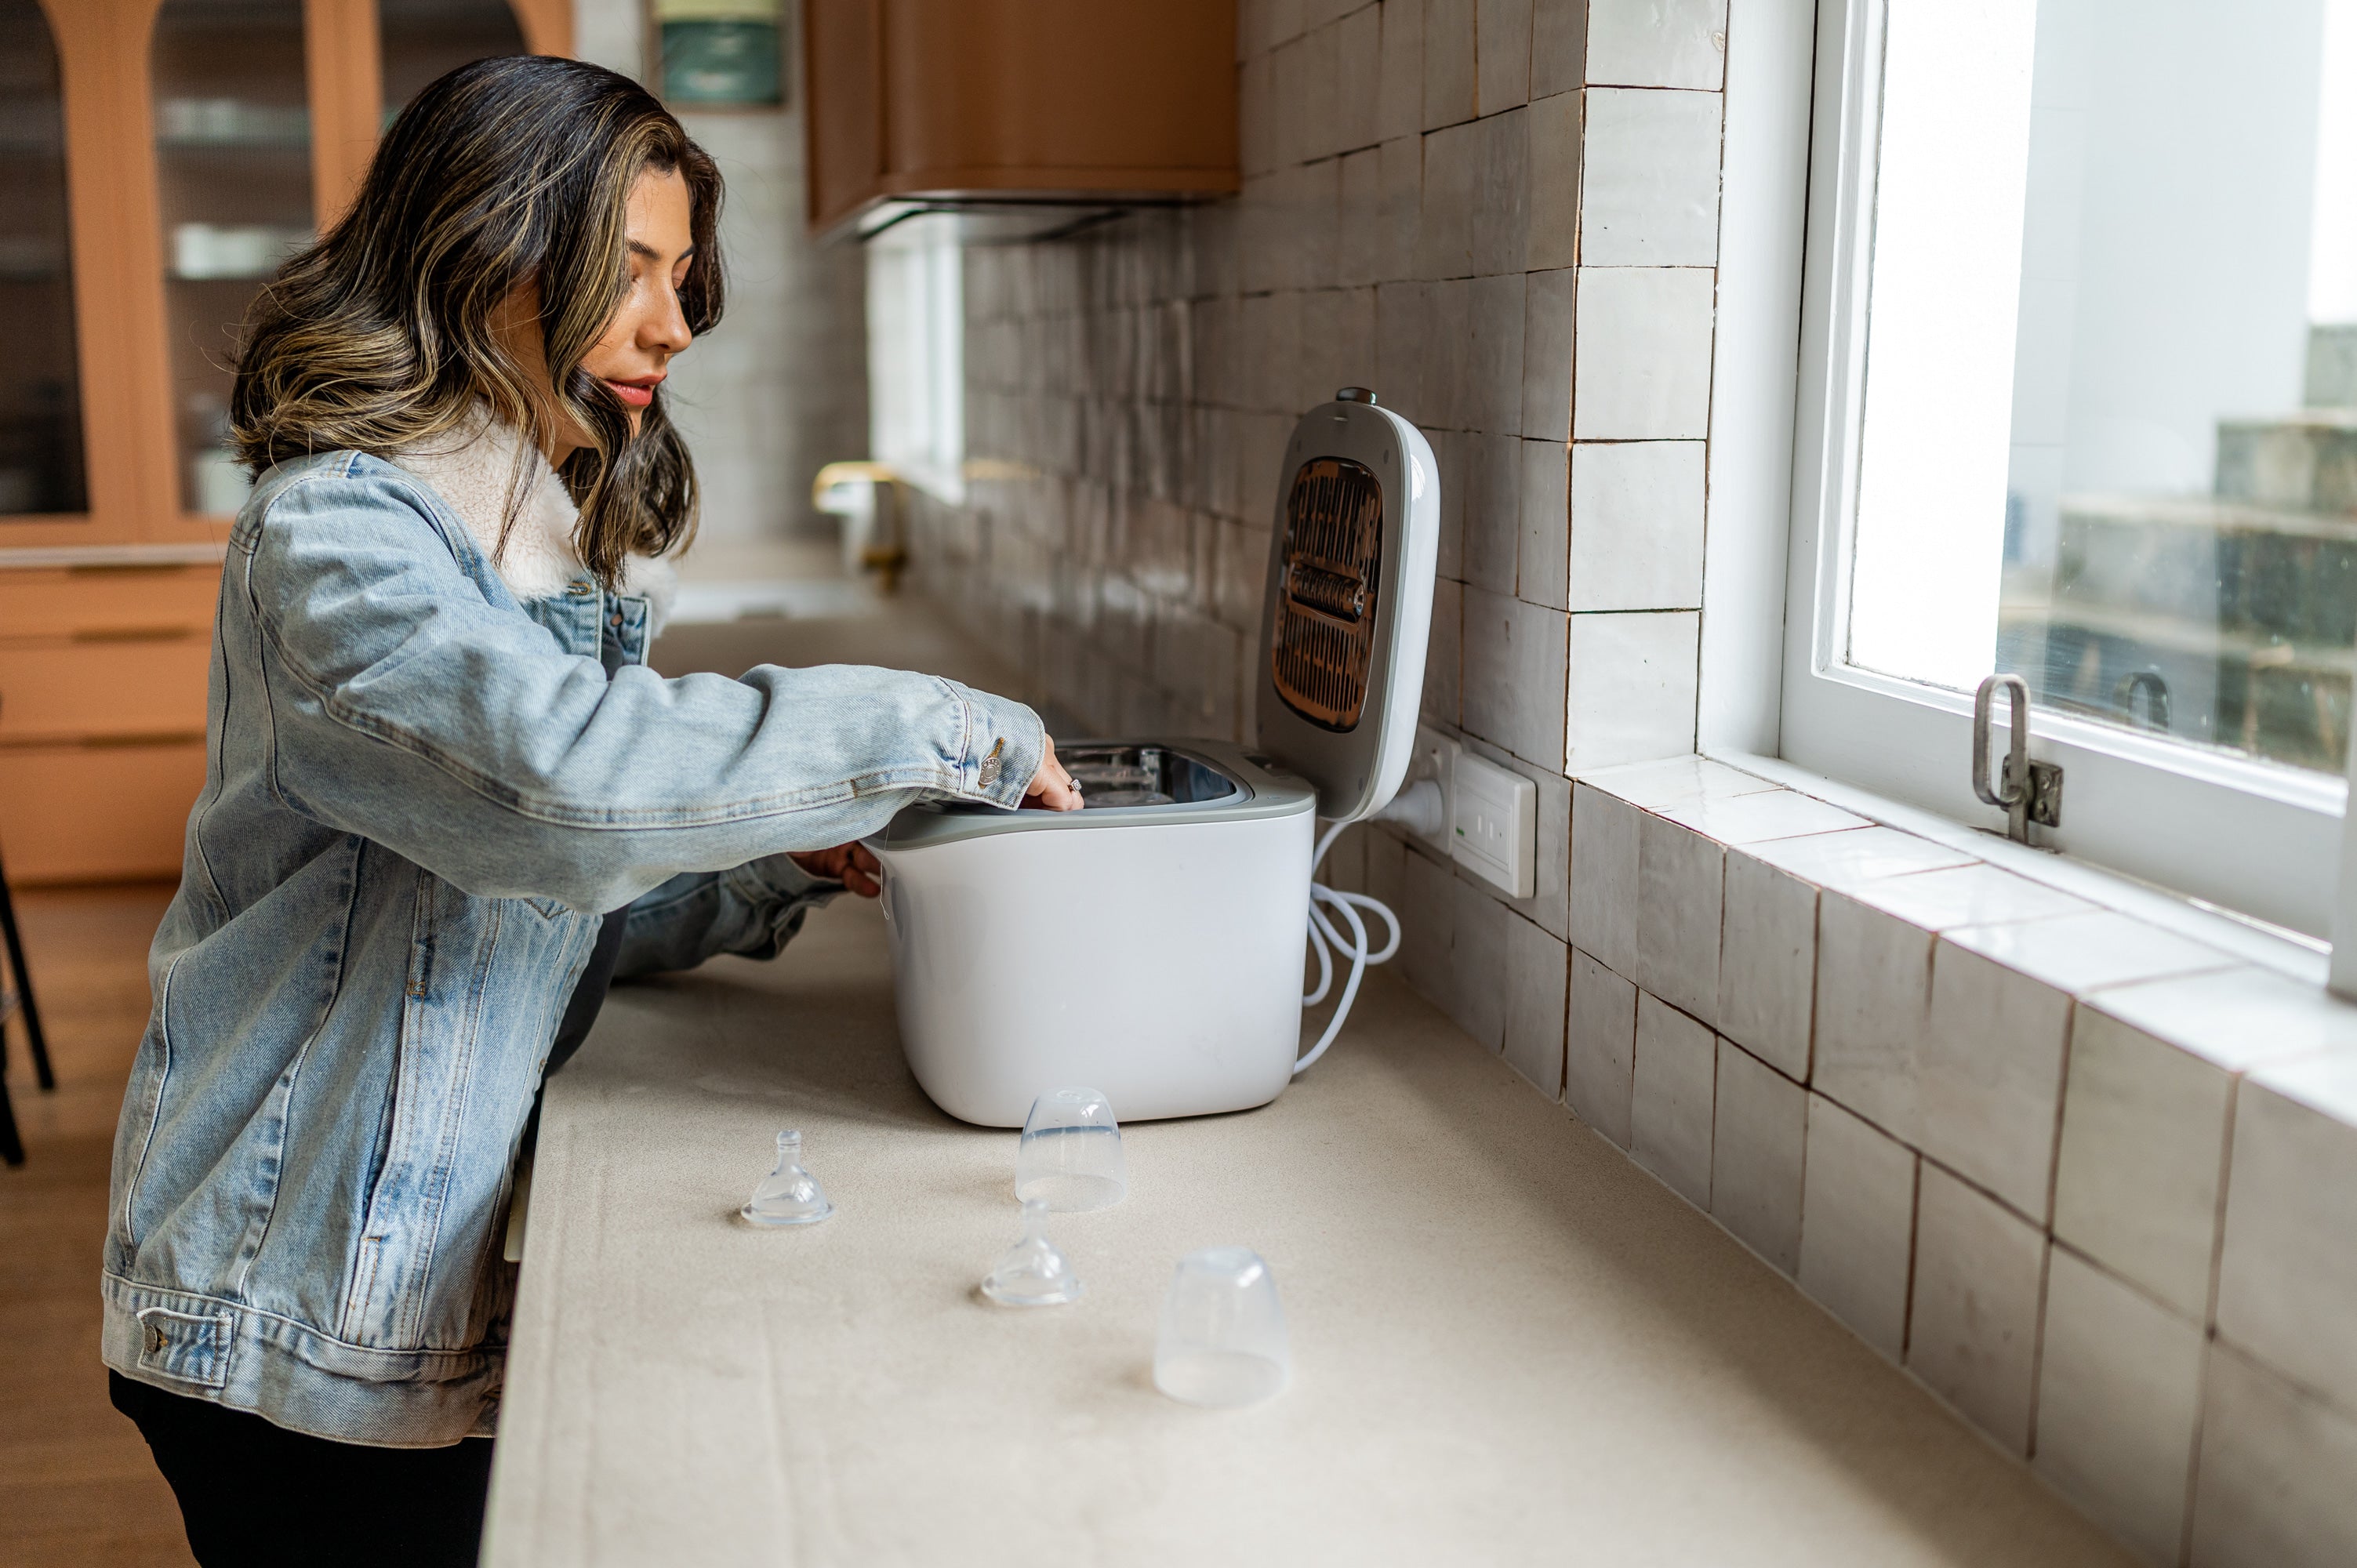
point(1324, 637)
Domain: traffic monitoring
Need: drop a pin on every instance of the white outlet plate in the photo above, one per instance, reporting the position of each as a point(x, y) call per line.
point(1494, 818)
point(1436, 759)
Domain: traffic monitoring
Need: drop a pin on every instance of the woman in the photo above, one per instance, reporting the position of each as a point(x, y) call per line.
point(435, 755)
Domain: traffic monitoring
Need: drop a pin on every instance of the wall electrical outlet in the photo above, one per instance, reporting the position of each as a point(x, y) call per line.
point(1494, 822)
point(1436, 759)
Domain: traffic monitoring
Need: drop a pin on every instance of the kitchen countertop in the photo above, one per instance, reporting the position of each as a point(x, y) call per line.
point(1509, 1344)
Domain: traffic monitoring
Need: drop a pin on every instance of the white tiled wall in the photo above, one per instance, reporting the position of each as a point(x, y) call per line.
point(1985, 1123)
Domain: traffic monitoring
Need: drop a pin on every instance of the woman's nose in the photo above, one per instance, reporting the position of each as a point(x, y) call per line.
point(665, 327)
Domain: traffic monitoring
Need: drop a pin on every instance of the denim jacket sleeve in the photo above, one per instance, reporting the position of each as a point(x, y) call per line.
point(752, 909)
point(407, 704)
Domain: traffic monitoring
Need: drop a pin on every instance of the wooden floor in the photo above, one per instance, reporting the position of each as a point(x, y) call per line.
point(76, 1485)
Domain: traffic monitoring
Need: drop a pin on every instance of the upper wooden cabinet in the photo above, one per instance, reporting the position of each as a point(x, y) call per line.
point(157, 159)
point(1079, 99)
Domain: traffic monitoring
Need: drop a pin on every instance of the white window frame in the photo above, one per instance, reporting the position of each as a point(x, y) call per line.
point(2256, 838)
point(916, 354)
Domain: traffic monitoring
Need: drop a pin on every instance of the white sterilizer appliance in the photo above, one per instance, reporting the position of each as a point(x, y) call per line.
point(1151, 945)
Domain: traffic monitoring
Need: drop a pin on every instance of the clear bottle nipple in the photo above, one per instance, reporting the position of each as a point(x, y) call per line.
point(1034, 1271)
point(788, 1195)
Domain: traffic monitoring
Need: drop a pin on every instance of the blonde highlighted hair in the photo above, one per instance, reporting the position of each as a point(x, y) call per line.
point(379, 338)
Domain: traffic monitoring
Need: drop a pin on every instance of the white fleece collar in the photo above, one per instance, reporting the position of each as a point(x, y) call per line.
point(472, 470)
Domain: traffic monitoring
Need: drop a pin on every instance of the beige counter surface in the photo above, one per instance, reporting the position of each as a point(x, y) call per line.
point(1510, 1345)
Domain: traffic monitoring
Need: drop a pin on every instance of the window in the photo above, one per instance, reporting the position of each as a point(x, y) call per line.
point(40, 405)
point(916, 353)
point(2080, 403)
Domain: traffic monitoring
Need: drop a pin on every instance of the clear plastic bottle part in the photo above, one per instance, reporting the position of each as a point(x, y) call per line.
point(1034, 1271)
point(788, 1195)
point(1222, 1340)
point(1071, 1153)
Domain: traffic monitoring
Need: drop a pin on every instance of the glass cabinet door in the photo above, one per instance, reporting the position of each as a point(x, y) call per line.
point(234, 170)
point(41, 469)
point(422, 40)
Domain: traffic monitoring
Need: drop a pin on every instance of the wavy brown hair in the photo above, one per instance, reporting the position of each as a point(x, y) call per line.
point(505, 173)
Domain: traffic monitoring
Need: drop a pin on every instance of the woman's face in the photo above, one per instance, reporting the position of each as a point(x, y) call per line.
point(634, 354)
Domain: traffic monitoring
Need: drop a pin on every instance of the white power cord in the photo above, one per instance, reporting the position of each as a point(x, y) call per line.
point(1417, 808)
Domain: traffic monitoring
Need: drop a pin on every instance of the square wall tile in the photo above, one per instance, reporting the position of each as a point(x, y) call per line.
point(1636, 525)
point(2119, 1391)
point(1874, 1007)
point(2288, 1271)
point(1631, 688)
point(1386, 869)
point(1668, 782)
point(1649, 188)
point(1427, 915)
point(1450, 83)
point(1761, 816)
point(1358, 62)
point(1758, 1135)
point(2271, 1487)
point(1554, 163)
point(1670, 1098)
point(1603, 903)
point(1972, 1328)
point(1547, 301)
point(1547, 524)
point(1501, 37)
point(1991, 1091)
point(2143, 1158)
point(1492, 470)
point(1679, 881)
point(1493, 352)
point(1767, 967)
point(1402, 220)
point(2237, 1018)
point(1641, 372)
point(1857, 1225)
point(1558, 45)
point(2079, 953)
point(1860, 854)
point(1358, 249)
point(1399, 102)
point(1537, 976)
point(1600, 1048)
point(1657, 43)
point(1482, 965)
point(1966, 895)
point(1514, 675)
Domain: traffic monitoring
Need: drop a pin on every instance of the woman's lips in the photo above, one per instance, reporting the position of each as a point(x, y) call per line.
point(635, 394)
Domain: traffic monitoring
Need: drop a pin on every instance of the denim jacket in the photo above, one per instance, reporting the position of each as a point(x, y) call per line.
point(420, 793)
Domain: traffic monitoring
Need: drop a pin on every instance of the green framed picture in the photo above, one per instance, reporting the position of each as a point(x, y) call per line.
point(724, 54)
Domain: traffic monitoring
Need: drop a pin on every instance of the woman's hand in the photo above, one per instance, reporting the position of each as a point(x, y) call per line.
point(849, 863)
point(1051, 788)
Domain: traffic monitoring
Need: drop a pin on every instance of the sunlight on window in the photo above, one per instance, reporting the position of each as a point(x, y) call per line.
point(1938, 375)
point(916, 353)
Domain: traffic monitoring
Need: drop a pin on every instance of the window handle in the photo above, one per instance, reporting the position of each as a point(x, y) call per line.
point(2026, 791)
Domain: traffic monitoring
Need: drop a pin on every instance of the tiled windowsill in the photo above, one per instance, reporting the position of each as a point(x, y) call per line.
point(2293, 954)
point(2080, 1155)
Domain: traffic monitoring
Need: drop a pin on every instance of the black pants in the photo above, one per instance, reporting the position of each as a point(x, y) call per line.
point(254, 1495)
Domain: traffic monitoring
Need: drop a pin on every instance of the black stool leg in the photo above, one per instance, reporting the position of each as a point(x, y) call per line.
point(12, 1147)
point(24, 1003)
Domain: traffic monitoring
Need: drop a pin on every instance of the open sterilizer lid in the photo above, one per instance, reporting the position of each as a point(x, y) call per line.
point(1349, 604)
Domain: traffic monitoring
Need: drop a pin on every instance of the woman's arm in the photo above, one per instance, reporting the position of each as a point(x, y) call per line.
point(403, 705)
point(752, 909)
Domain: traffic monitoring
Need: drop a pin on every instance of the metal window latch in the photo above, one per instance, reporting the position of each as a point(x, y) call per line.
point(2026, 791)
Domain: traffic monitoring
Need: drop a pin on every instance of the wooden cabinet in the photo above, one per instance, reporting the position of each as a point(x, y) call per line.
point(1010, 99)
point(157, 159)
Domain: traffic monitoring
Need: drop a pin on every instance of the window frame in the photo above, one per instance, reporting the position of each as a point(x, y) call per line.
point(2255, 838)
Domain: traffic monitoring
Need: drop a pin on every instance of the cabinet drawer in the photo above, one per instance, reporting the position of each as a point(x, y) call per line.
point(96, 813)
point(96, 685)
point(62, 601)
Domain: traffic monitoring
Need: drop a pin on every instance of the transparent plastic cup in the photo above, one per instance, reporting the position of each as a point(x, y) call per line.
point(1071, 1155)
point(1222, 1339)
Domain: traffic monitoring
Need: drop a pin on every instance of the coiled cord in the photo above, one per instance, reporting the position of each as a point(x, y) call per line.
point(1327, 943)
